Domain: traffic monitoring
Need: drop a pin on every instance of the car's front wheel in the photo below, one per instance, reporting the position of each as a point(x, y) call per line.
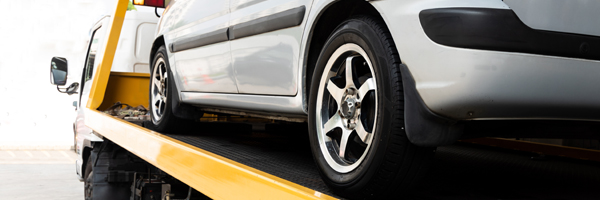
point(161, 87)
point(356, 114)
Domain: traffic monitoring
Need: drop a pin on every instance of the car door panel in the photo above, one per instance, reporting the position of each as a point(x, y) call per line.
point(197, 39)
point(265, 37)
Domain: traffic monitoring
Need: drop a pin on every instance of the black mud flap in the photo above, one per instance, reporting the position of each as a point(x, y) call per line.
point(423, 127)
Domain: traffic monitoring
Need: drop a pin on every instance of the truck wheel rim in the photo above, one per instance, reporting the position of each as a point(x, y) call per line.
point(159, 86)
point(346, 108)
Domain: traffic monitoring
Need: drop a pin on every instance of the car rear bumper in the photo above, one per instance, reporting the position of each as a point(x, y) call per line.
point(502, 30)
point(481, 84)
point(466, 71)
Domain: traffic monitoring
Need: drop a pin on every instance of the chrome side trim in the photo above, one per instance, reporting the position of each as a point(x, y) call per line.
point(267, 104)
point(281, 20)
point(200, 40)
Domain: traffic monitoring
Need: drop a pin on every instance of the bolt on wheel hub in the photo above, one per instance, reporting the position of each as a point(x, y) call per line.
point(349, 108)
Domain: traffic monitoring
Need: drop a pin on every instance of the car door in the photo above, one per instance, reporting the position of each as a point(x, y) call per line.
point(265, 40)
point(197, 40)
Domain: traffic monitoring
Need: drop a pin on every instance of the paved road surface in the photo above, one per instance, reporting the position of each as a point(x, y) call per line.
point(38, 174)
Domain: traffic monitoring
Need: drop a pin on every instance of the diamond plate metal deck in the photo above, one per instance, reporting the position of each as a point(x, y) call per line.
point(461, 171)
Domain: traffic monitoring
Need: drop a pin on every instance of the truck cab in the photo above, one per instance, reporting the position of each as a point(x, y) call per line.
point(131, 56)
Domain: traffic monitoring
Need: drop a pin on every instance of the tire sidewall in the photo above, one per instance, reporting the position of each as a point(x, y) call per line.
point(164, 121)
point(360, 33)
point(88, 180)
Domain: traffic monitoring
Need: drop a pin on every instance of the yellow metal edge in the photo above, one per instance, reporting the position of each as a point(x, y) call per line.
point(110, 46)
point(130, 74)
point(211, 174)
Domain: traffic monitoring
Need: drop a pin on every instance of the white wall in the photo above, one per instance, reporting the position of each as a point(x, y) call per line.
point(32, 112)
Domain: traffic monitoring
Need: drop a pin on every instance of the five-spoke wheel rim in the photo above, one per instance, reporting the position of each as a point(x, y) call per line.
point(346, 108)
point(158, 91)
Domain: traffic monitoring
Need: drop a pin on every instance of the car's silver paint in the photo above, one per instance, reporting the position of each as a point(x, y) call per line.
point(207, 68)
point(571, 16)
point(267, 63)
point(204, 69)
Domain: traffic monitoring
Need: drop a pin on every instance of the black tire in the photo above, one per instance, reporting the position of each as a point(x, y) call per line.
point(391, 163)
point(164, 120)
point(88, 180)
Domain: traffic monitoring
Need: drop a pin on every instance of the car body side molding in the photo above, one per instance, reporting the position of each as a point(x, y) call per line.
point(200, 40)
point(289, 18)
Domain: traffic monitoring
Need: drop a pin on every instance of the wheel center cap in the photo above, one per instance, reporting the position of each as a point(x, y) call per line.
point(349, 108)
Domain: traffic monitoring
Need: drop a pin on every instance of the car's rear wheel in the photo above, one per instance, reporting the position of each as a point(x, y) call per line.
point(356, 118)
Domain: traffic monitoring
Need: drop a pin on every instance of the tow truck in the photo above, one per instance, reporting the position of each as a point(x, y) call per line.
point(135, 162)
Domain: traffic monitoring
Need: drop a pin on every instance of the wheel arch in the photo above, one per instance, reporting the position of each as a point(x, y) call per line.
point(85, 156)
point(179, 109)
point(159, 41)
point(323, 26)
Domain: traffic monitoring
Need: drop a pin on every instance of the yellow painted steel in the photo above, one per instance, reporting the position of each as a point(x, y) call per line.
point(211, 174)
point(127, 88)
point(110, 46)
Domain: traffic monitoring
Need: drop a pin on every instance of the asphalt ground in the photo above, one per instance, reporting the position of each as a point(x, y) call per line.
point(39, 174)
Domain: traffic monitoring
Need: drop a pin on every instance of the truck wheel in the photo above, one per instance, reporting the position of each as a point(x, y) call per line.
point(88, 178)
point(161, 85)
point(356, 118)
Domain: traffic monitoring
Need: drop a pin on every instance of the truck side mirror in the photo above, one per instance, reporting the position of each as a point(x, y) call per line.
point(58, 71)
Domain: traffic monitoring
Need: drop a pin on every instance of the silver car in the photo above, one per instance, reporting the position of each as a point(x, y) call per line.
point(382, 83)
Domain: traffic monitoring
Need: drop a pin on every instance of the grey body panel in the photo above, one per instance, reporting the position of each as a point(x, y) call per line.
point(570, 16)
point(265, 46)
point(200, 58)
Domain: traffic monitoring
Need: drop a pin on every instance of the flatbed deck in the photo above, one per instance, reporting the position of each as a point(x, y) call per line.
point(462, 171)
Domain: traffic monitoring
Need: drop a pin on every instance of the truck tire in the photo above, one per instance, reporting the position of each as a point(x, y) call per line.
point(356, 115)
point(161, 87)
point(88, 182)
point(106, 157)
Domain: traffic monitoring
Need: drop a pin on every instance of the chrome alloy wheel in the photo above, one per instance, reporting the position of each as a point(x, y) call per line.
point(346, 108)
point(158, 89)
